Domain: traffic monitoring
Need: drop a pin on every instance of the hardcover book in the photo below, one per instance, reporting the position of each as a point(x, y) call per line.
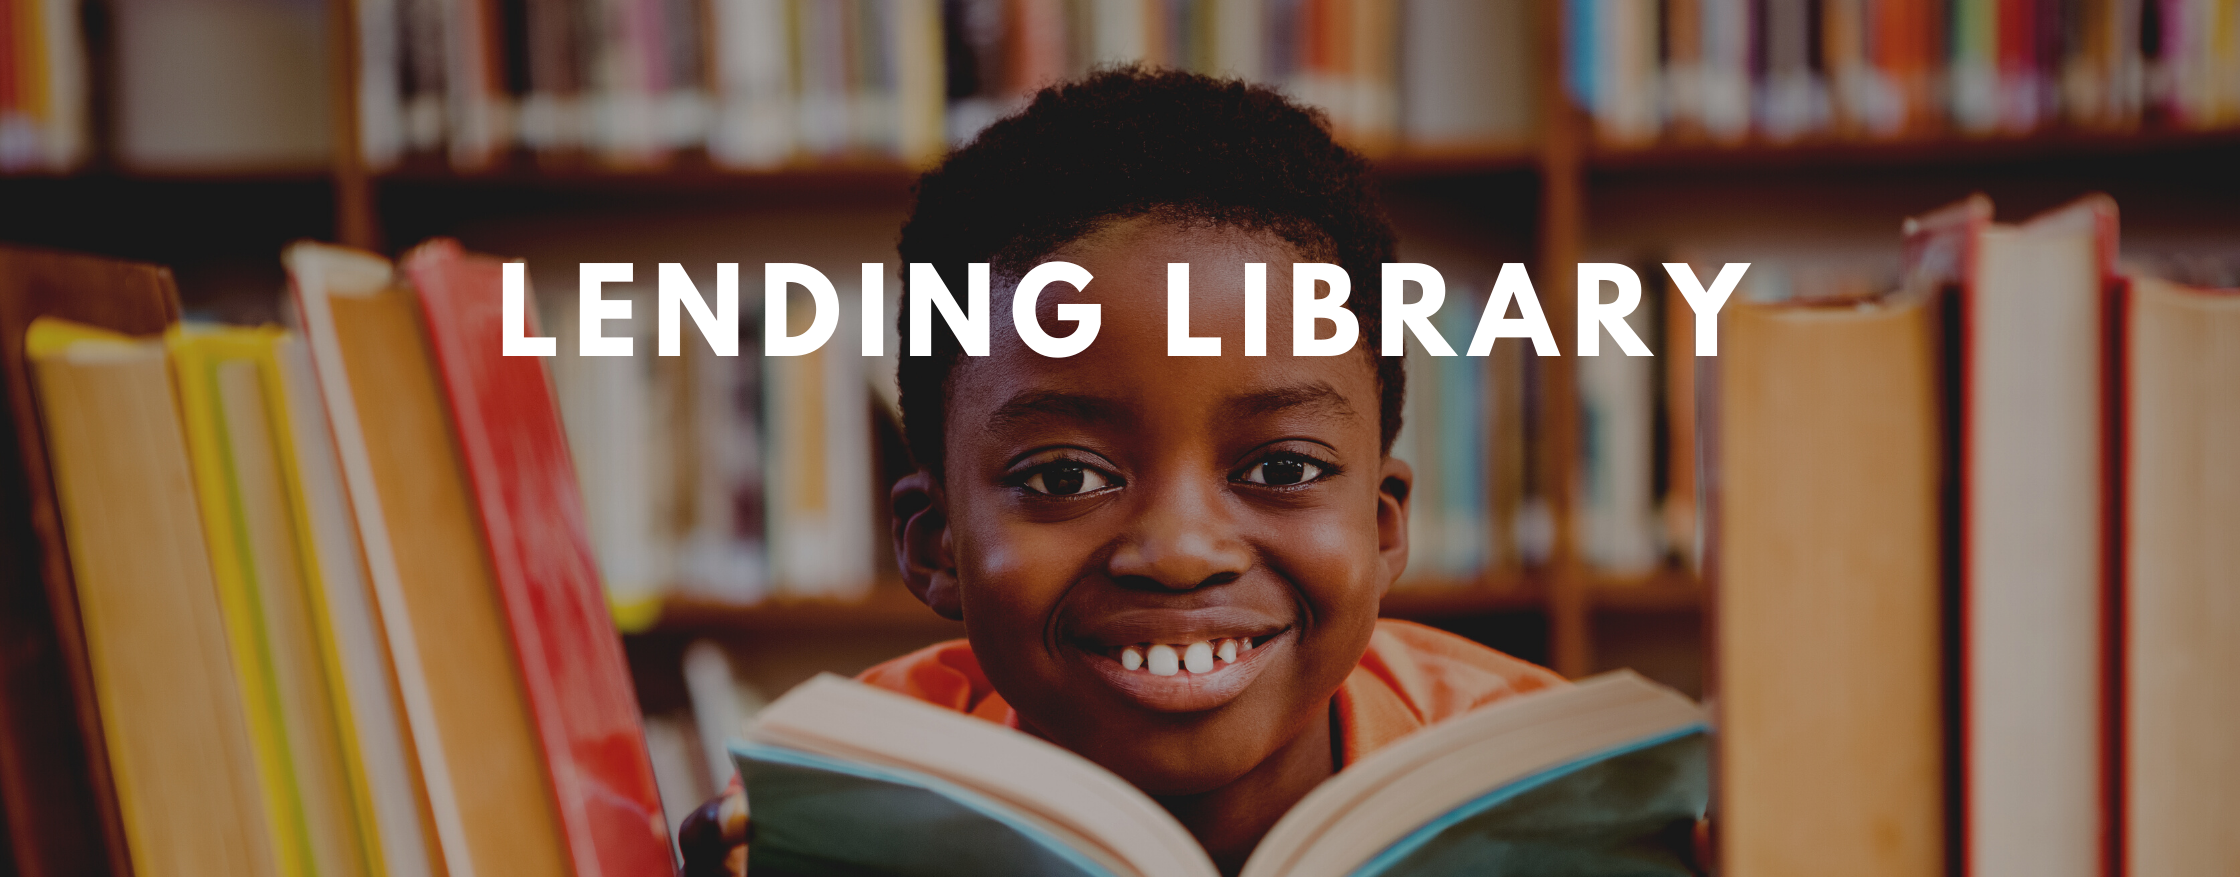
point(1592, 779)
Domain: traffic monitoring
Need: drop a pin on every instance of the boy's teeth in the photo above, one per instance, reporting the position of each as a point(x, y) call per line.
point(1163, 660)
point(1198, 658)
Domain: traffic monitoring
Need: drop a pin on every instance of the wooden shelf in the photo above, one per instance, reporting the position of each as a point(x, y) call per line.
point(1917, 151)
point(693, 173)
point(684, 172)
point(887, 609)
point(1488, 159)
point(1497, 593)
point(1666, 590)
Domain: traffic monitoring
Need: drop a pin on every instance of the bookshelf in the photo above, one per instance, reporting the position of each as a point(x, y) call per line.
point(1568, 171)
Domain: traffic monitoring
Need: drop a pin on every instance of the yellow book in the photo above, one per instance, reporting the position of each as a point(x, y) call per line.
point(229, 387)
point(171, 713)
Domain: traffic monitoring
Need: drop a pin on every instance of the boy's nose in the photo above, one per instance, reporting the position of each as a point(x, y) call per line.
point(1180, 543)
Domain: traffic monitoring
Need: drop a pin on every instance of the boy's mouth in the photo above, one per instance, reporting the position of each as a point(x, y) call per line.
point(1202, 664)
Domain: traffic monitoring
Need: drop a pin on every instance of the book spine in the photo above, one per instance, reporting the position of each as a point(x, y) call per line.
point(195, 363)
point(755, 115)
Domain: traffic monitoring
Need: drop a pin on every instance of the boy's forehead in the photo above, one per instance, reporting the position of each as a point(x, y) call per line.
point(1136, 250)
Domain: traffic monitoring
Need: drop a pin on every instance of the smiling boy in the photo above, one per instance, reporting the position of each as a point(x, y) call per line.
point(1170, 566)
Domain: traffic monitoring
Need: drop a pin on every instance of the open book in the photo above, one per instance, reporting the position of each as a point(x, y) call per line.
point(1604, 777)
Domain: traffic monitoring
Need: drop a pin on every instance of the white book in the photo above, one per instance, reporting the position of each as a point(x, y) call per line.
point(1240, 39)
point(754, 124)
point(217, 85)
point(1726, 68)
point(1626, 78)
point(380, 101)
point(1466, 73)
point(915, 51)
point(1618, 524)
point(617, 415)
point(817, 416)
point(2031, 507)
point(2032, 486)
point(367, 702)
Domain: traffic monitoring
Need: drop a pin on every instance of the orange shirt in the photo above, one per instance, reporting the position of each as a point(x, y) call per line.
point(1410, 677)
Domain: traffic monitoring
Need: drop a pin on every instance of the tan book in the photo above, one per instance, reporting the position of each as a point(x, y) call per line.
point(173, 719)
point(1826, 590)
point(58, 802)
point(2180, 433)
point(480, 760)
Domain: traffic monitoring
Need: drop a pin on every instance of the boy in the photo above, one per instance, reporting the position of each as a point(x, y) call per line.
point(1170, 566)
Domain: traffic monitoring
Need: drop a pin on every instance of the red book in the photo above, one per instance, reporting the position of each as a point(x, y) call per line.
point(524, 485)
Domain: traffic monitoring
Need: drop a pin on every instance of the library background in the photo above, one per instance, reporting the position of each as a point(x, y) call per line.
point(736, 506)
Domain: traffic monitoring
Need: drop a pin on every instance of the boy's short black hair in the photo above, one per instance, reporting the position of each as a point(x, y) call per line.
point(1128, 142)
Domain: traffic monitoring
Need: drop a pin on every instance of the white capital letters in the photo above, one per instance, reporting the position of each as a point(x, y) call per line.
point(1085, 315)
point(1594, 313)
point(1402, 317)
point(1513, 285)
point(513, 310)
point(1256, 309)
point(825, 309)
point(720, 328)
point(593, 310)
point(1179, 341)
point(1307, 310)
point(874, 297)
point(969, 323)
point(1706, 304)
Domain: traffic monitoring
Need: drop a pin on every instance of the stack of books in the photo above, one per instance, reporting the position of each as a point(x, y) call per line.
point(319, 603)
point(1990, 508)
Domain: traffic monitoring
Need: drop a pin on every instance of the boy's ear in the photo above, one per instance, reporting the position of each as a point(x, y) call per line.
point(1394, 483)
point(921, 543)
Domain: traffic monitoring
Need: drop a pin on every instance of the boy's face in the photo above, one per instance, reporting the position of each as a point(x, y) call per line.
point(1121, 499)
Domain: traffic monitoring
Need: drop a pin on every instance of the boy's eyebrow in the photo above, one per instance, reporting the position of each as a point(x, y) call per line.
point(1043, 404)
point(1318, 397)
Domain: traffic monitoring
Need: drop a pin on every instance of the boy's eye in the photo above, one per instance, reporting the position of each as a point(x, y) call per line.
point(1283, 471)
point(1067, 479)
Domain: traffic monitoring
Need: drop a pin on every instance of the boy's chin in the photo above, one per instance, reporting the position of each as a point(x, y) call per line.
point(1204, 759)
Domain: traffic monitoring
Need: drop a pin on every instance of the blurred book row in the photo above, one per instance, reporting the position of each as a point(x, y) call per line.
point(1724, 71)
point(761, 83)
point(1983, 516)
point(753, 84)
point(302, 603)
point(729, 478)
